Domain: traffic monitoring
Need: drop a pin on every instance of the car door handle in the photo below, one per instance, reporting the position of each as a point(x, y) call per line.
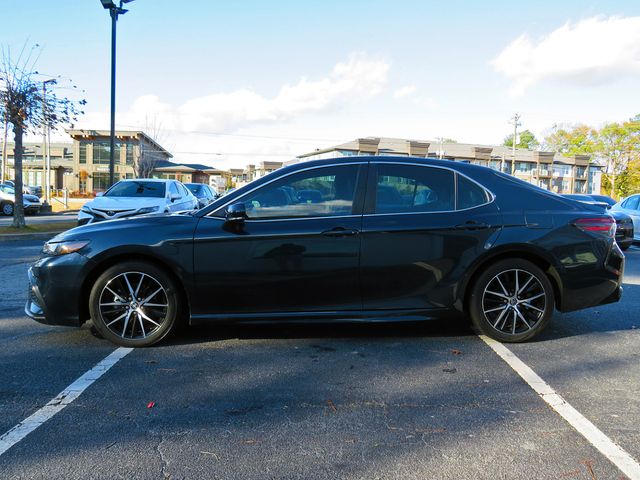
point(472, 225)
point(340, 232)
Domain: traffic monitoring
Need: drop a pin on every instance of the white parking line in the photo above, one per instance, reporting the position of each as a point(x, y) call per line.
point(63, 399)
point(588, 430)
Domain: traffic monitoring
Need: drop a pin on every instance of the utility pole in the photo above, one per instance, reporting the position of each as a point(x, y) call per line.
point(516, 124)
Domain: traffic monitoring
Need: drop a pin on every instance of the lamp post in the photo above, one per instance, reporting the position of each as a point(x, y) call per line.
point(46, 157)
point(114, 11)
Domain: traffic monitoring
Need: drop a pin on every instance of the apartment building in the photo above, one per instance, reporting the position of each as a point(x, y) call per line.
point(33, 163)
point(549, 170)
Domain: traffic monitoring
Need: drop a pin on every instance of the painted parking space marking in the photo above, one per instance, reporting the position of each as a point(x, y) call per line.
point(63, 399)
point(619, 457)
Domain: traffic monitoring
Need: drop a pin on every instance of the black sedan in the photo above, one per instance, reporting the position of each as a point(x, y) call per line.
point(358, 239)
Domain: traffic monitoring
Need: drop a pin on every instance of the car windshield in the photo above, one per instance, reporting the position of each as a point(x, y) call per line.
point(7, 189)
point(136, 188)
point(194, 188)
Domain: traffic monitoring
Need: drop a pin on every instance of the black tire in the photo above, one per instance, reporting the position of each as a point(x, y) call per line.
point(499, 312)
point(140, 322)
point(7, 209)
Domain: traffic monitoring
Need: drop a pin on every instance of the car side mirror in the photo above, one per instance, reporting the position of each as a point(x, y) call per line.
point(174, 196)
point(236, 213)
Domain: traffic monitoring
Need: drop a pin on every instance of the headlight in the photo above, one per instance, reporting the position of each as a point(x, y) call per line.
point(62, 248)
point(85, 209)
point(148, 210)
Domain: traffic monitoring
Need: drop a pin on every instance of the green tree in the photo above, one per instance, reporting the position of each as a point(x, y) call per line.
point(571, 140)
point(526, 140)
point(618, 148)
point(26, 108)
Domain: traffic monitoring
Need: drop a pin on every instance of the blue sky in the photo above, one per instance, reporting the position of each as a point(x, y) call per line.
point(280, 78)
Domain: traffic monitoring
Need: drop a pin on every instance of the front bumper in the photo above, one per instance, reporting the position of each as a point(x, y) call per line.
point(55, 289)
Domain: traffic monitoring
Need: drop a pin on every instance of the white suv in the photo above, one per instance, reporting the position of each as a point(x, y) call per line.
point(136, 197)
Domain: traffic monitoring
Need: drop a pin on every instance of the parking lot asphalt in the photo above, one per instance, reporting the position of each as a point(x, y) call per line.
point(428, 400)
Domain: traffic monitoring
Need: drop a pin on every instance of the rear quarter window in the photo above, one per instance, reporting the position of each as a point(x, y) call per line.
point(470, 194)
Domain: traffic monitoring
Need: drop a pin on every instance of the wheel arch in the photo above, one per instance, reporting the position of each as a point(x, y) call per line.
point(535, 256)
point(103, 265)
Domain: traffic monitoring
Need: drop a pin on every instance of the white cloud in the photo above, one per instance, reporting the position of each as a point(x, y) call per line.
point(358, 78)
point(593, 51)
point(405, 91)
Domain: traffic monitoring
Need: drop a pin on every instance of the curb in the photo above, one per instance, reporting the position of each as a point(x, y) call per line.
point(12, 237)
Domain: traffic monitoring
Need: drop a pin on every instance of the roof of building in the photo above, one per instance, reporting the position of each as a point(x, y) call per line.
point(78, 134)
point(166, 165)
point(400, 146)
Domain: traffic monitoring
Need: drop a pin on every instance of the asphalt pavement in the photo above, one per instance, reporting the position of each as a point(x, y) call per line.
point(428, 400)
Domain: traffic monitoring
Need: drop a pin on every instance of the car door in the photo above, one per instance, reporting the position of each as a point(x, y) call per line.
point(631, 206)
point(419, 235)
point(297, 251)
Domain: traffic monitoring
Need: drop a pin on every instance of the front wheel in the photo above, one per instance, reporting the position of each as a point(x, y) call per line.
point(7, 209)
point(134, 304)
point(511, 301)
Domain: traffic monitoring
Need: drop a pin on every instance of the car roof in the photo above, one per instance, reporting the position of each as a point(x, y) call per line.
point(156, 180)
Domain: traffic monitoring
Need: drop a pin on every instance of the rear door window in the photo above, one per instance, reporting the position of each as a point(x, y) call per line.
point(414, 189)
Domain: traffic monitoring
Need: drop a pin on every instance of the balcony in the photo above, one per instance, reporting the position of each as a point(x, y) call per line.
point(542, 173)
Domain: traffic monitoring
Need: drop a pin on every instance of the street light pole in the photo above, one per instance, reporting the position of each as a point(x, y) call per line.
point(46, 158)
point(114, 11)
point(112, 135)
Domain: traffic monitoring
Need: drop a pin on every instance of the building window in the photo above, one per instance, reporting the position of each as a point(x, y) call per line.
point(129, 154)
point(100, 181)
point(101, 151)
point(83, 152)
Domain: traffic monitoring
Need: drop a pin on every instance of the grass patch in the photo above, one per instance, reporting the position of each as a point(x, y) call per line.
point(40, 227)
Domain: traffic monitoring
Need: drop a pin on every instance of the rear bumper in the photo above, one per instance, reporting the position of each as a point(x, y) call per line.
point(594, 284)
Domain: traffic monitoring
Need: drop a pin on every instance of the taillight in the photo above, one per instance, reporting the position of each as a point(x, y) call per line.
point(604, 225)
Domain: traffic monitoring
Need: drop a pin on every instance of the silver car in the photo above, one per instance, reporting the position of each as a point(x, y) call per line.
point(631, 206)
point(8, 199)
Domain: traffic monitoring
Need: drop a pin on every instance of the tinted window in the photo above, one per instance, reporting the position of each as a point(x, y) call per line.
point(632, 202)
point(470, 194)
point(408, 188)
point(136, 189)
point(320, 192)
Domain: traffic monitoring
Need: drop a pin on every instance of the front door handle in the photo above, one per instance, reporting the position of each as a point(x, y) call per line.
point(472, 225)
point(340, 232)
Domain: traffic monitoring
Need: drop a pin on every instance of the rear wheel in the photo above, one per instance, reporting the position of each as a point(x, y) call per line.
point(134, 304)
point(511, 301)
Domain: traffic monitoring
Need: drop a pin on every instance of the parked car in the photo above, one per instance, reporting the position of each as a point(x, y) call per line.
point(380, 238)
point(128, 198)
point(631, 206)
point(28, 189)
point(624, 223)
point(31, 203)
point(202, 192)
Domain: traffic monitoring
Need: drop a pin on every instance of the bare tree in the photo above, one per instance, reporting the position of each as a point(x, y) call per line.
point(146, 157)
point(25, 108)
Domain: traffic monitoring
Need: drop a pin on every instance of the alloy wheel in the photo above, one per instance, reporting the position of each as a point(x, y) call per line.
point(133, 305)
point(7, 209)
point(514, 301)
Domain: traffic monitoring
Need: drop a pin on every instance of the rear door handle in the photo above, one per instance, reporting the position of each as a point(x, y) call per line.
point(340, 232)
point(472, 225)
